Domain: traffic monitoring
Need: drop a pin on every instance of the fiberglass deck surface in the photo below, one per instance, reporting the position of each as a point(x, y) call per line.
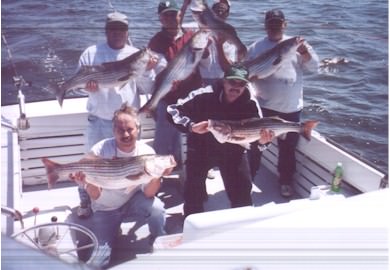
point(62, 202)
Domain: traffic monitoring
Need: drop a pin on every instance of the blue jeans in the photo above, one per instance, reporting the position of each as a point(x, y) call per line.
point(97, 130)
point(105, 224)
point(167, 139)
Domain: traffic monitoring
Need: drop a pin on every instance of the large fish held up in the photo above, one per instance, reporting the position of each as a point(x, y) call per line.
point(271, 60)
point(243, 132)
point(207, 19)
point(108, 74)
point(112, 173)
point(178, 69)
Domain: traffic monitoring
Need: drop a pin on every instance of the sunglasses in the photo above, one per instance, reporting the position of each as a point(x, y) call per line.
point(237, 83)
point(117, 28)
point(274, 24)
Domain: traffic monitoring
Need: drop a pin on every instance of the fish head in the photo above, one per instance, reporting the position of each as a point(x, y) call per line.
point(160, 165)
point(146, 56)
point(288, 47)
point(200, 40)
point(220, 130)
point(198, 6)
point(293, 43)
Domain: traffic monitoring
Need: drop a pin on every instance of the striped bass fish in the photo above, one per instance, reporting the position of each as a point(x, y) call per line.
point(178, 69)
point(243, 132)
point(108, 74)
point(270, 61)
point(112, 173)
point(207, 19)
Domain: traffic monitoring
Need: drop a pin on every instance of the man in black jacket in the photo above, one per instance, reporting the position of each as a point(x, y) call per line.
point(227, 99)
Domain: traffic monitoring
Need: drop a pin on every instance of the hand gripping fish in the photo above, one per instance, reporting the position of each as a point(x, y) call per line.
point(178, 69)
point(245, 131)
point(206, 19)
point(271, 60)
point(107, 75)
point(112, 173)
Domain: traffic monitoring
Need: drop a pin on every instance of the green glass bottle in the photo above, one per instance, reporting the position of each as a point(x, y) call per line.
point(338, 175)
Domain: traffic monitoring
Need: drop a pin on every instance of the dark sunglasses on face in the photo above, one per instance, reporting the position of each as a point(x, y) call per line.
point(237, 83)
point(274, 24)
point(117, 27)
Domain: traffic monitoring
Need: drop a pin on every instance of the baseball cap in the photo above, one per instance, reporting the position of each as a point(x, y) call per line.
point(165, 6)
point(274, 15)
point(227, 2)
point(117, 17)
point(237, 72)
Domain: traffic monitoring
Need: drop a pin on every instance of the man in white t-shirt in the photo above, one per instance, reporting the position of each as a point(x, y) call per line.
point(281, 94)
point(103, 102)
point(111, 207)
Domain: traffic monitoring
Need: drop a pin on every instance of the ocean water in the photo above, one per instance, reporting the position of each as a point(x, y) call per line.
point(349, 99)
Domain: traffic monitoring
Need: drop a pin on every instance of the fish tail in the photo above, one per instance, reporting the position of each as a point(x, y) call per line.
point(308, 127)
point(147, 108)
point(144, 108)
point(58, 92)
point(60, 95)
point(51, 171)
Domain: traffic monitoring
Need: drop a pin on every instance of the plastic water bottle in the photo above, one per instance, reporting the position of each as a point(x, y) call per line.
point(338, 175)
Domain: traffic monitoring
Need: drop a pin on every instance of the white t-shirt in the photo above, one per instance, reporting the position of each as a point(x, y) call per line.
point(104, 102)
point(283, 90)
point(111, 199)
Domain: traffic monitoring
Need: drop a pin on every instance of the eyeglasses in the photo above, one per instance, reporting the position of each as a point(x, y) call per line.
point(237, 83)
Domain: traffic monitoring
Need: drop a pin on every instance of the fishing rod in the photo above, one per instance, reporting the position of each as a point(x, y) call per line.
point(19, 83)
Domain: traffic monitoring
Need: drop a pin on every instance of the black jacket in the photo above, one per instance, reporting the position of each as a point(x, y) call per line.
point(207, 103)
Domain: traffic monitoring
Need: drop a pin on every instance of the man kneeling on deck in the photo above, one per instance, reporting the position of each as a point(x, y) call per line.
point(112, 206)
point(227, 99)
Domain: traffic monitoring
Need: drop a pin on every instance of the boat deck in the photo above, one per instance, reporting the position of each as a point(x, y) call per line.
point(62, 202)
point(59, 135)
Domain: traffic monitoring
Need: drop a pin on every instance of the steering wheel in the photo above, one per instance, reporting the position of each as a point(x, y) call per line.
point(68, 241)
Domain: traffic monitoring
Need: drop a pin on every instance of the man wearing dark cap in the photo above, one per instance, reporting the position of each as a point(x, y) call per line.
point(103, 102)
point(281, 94)
point(168, 42)
point(227, 99)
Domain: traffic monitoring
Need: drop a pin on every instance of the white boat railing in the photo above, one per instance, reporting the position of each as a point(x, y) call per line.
point(60, 136)
point(316, 161)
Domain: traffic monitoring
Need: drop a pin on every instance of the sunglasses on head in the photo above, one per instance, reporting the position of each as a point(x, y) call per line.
point(237, 83)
